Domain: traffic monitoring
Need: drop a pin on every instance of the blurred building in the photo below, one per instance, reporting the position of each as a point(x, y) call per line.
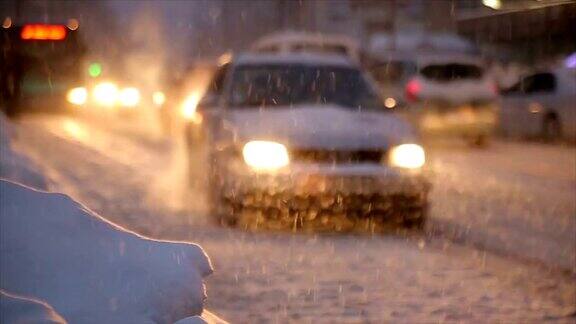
point(521, 30)
point(241, 22)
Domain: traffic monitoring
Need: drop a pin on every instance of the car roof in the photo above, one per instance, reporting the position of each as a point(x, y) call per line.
point(294, 58)
point(423, 59)
point(431, 59)
point(295, 37)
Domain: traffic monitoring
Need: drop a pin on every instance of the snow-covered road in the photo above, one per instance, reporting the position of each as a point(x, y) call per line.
point(516, 199)
point(513, 198)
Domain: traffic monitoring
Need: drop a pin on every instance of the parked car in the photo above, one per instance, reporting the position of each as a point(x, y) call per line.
point(302, 42)
point(443, 95)
point(541, 104)
point(303, 140)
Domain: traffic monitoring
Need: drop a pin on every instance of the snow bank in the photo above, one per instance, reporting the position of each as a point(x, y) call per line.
point(90, 270)
point(14, 166)
point(18, 309)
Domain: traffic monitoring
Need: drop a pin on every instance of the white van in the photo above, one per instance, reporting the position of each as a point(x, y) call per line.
point(298, 42)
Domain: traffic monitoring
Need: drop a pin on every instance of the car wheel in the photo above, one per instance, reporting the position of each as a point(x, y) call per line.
point(551, 128)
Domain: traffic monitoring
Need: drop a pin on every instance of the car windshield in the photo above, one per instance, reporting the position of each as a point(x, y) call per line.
point(450, 72)
point(295, 84)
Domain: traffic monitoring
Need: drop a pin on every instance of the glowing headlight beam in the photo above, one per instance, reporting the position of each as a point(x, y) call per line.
point(189, 106)
point(265, 155)
point(105, 93)
point(158, 98)
point(77, 96)
point(409, 156)
point(129, 97)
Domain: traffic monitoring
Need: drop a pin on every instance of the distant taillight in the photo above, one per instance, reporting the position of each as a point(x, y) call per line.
point(43, 32)
point(413, 89)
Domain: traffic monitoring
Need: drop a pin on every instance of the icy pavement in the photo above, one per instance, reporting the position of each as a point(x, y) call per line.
point(262, 277)
point(514, 198)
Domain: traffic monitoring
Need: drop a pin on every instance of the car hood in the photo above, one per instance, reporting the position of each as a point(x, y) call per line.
point(319, 126)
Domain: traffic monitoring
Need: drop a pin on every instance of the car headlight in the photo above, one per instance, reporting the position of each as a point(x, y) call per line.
point(265, 155)
point(158, 98)
point(105, 93)
point(189, 106)
point(129, 97)
point(77, 96)
point(409, 156)
point(390, 103)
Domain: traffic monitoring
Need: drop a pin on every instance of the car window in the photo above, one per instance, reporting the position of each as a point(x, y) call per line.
point(293, 84)
point(320, 48)
point(269, 49)
point(540, 82)
point(451, 72)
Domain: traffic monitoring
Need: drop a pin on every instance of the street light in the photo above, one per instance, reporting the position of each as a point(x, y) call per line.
point(494, 4)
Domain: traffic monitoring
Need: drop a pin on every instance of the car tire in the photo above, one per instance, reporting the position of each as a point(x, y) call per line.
point(551, 128)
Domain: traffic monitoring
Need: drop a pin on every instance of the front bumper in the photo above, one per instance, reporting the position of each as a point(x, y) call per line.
point(436, 119)
point(362, 189)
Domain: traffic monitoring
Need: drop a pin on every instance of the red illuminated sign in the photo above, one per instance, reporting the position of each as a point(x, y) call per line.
point(43, 32)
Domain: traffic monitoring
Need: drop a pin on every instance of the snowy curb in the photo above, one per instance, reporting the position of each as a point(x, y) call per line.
point(13, 165)
point(91, 270)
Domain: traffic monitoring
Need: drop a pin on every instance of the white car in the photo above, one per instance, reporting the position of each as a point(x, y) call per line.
point(306, 42)
point(303, 140)
point(447, 95)
point(542, 105)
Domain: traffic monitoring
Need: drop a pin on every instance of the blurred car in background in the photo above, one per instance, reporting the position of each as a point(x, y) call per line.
point(304, 141)
point(541, 104)
point(114, 95)
point(111, 95)
point(443, 95)
point(392, 71)
point(306, 42)
point(44, 69)
point(40, 67)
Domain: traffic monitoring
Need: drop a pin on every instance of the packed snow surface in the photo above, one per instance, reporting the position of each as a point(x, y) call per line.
point(19, 309)
point(13, 165)
point(90, 270)
point(515, 199)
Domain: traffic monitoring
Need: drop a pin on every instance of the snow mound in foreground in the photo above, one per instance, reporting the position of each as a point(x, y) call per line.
point(14, 166)
point(18, 309)
point(90, 270)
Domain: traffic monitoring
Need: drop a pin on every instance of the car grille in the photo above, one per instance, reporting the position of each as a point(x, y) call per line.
point(337, 157)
